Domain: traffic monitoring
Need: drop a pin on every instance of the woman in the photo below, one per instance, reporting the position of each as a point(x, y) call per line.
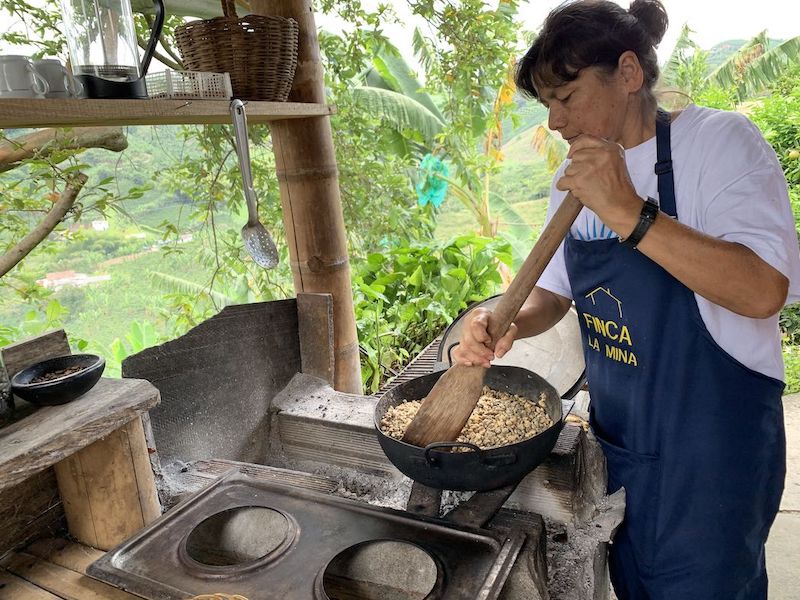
point(678, 265)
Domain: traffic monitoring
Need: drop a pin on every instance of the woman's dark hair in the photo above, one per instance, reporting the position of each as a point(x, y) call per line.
point(593, 33)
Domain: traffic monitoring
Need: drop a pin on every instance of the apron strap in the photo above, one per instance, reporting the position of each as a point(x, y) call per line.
point(663, 166)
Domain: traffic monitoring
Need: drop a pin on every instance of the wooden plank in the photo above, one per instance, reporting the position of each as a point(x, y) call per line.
point(53, 433)
point(16, 357)
point(62, 552)
point(315, 327)
point(217, 468)
point(62, 582)
point(16, 588)
point(72, 112)
point(30, 510)
point(108, 489)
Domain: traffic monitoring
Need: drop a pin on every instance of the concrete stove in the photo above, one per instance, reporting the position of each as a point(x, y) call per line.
point(242, 535)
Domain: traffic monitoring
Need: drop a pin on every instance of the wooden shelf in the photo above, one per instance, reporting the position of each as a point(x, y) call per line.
point(53, 433)
point(72, 112)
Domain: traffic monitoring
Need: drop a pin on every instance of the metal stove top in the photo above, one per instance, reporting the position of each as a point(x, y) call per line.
point(290, 554)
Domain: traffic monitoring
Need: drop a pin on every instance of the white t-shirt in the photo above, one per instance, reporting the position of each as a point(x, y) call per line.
point(728, 184)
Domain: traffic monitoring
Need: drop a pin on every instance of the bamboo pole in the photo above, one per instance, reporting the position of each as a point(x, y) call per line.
point(312, 207)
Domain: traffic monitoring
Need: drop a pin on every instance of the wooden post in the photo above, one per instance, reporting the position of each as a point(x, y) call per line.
point(108, 488)
point(312, 207)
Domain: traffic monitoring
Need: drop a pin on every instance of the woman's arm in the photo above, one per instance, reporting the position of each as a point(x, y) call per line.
point(726, 273)
point(541, 311)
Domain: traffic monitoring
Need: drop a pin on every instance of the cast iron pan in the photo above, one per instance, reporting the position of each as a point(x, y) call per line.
point(479, 470)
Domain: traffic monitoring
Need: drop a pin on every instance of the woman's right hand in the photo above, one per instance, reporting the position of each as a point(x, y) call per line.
point(475, 347)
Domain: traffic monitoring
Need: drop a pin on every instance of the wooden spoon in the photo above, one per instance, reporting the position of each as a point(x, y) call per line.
point(447, 407)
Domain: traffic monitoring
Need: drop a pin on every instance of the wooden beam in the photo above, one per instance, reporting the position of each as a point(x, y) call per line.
point(315, 328)
point(16, 588)
point(53, 433)
point(62, 552)
point(312, 208)
point(82, 112)
point(62, 582)
point(108, 488)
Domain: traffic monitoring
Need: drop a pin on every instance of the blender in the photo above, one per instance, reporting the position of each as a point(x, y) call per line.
point(103, 50)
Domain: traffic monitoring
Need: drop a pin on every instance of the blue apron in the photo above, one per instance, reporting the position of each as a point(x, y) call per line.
point(695, 437)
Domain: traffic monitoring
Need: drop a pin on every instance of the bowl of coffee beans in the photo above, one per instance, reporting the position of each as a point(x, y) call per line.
point(58, 380)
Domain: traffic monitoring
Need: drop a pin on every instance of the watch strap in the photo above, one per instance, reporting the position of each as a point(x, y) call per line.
point(646, 219)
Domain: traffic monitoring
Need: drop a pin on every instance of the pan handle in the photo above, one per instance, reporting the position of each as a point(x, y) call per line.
point(493, 462)
point(450, 350)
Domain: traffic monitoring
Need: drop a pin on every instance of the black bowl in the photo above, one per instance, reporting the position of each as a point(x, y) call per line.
point(59, 390)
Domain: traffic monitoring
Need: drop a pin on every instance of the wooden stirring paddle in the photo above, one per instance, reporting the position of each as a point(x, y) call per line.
point(447, 407)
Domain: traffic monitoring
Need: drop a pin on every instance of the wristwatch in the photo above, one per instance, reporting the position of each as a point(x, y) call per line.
point(646, 218)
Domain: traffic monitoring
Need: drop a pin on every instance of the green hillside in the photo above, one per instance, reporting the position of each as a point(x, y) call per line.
point(719, 53)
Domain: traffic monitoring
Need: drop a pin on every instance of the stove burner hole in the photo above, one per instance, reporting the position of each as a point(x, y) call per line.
point(381, 570)
point(237, 535)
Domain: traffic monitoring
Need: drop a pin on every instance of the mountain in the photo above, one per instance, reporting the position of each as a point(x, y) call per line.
point(719, 53)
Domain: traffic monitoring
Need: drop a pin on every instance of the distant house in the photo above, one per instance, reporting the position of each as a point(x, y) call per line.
point(62, 279)
point(100, 225)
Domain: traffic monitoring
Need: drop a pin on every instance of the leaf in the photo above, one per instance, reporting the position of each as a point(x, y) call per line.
point(392, 67)
point(763, 70)
point(416, 279)
point(550, 146)
point(172, 283)
point(675, 59)
point(399, 110)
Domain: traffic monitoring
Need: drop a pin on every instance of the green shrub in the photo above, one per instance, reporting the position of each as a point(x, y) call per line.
point(405, 297)
point(791, 359)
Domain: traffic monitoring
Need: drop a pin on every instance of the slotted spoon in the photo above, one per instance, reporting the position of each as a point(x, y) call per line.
point(256, 238)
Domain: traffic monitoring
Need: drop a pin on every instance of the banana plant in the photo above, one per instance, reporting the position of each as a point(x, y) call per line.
point(392, 91)
point(756, 65)
point(748, 72)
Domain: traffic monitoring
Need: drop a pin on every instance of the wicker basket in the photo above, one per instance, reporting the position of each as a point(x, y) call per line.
point(259, 52)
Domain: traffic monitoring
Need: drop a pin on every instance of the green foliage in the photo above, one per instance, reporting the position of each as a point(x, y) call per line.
point(791, 360)
point(716, 97)
point(42, 20)
point(140, 336)
point(405, 114)
point(48, 315)
point(686, 67)
point(778, 117)
point(754, 68)
point(406, 296)
point(746, 73)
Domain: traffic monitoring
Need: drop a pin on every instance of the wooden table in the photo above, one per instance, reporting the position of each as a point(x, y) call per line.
point(97, 447)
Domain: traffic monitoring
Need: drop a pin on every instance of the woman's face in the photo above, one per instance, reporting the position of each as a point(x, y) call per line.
point(597, 103)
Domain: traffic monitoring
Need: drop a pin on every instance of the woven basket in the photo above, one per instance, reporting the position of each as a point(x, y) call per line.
point(259, 52)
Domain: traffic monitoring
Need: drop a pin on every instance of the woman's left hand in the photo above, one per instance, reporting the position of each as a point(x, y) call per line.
point(598, 177)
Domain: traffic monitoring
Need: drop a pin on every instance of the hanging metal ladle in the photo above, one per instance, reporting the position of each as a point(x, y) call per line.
point(256, 238)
